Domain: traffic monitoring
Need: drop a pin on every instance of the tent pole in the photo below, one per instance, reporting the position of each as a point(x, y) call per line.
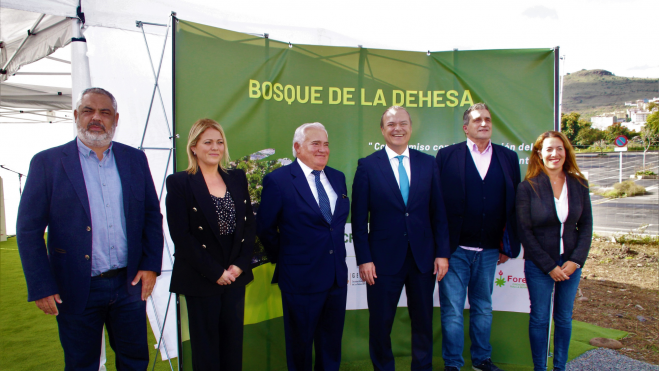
point(80, 75)
point(30, 32)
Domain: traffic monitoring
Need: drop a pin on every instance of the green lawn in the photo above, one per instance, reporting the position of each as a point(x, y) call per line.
point(28, 338)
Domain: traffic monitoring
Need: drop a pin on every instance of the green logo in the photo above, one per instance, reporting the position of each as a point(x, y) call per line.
point(500, 281)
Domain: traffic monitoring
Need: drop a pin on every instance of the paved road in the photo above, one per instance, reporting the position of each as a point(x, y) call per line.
point(624, 214)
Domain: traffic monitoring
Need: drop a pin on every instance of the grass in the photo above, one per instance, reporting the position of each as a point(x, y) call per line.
point(625, 189)
point(28, 338)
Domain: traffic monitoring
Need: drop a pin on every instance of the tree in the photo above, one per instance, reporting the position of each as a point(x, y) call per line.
point(588, 136)
point(649, 133)
point(652, 106)
point(572, 124)
point(615, 130)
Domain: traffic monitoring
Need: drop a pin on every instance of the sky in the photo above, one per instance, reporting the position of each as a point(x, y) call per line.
point(613, 35)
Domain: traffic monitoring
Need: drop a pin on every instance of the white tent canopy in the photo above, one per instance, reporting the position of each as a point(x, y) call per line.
point(34, 97)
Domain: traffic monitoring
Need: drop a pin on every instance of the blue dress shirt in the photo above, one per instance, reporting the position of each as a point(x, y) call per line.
point(109, 247)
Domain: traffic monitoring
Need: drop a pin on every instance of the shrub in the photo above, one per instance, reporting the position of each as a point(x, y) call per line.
point(625, 189)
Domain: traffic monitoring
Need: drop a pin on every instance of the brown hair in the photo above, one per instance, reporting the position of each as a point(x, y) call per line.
point(477, 106)
point(196, 131)
point(536, 166)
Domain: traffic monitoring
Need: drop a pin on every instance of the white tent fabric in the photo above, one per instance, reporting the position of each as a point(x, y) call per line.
point(34, 96)
point(19, 47)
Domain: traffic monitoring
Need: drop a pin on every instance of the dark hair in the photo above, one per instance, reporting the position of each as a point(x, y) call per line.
point(395, 108)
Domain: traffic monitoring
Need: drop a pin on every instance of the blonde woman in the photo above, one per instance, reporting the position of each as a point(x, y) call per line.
point(212, 225)
point(555, 225)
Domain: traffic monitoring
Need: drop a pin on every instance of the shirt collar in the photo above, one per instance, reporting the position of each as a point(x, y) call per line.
point(391, 154)
point(86, 151)
point(305, 169)
point(474, 148)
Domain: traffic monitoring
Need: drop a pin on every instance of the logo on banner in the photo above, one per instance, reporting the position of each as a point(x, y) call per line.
point(514, 281)
point(355, 280)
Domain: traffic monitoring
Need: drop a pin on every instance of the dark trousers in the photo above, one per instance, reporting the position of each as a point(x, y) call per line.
point(383, 299)
point(123, 315)
point(216, 329)
point(314, 319)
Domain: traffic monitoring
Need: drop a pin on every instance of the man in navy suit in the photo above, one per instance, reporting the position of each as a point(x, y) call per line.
point(407, 244)
point(301, 221)
point(479, 180)
point(105, 239)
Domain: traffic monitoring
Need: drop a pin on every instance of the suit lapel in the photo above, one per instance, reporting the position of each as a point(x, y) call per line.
point(302, 186)
point(388, 175)
point(206, 204)
point(572, 195)
point(237, 196)
point(124, 164)
point(337, 187)
point(547, 195)
point(73, 169)
point(505, 166)
point(461, 157)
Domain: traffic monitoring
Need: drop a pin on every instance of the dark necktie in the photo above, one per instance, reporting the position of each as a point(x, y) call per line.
point(323, 200)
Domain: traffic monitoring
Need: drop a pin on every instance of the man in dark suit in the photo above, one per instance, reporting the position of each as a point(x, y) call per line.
point(301, 221)
point(105, 240)
point(408, 240)
point(479, 180)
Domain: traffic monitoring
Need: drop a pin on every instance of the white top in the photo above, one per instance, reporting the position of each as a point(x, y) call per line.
point(394, 163)
point(323, 180)
point(482, 161)
point(562, 210)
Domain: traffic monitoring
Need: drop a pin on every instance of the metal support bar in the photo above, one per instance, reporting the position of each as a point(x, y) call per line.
point(162, 328)
point(166, 149)
point(161, 335)
point(148, 51)
point(42, 73)
point(29, 33)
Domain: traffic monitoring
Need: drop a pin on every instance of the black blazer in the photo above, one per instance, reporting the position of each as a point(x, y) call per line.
point(192, 219)
point(540, 230)
point(451, 161)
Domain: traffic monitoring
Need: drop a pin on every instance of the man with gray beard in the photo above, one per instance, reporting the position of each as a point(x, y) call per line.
point(105, 239)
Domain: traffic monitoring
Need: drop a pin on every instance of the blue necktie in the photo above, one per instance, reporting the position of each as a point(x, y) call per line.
point(404, 181)
point(323, 200)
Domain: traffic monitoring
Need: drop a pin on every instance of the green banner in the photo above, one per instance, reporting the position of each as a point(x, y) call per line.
point(261, 90)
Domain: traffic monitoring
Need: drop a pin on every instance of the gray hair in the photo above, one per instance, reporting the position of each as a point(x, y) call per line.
point(97, 91)
point(300, 134)
point(477, 106)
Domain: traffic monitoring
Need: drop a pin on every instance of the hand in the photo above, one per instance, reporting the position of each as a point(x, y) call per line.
point(367, 273)
point(148, 281)
point(502, 258)
point(47, 304)
point(441, 267)
point(569, 267)
point(558, 275)
point(226, 279)
point(235, 271)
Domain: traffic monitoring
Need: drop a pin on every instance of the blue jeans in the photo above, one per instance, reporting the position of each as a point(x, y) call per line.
point(540, 288)
point(124, 317)
point(473, 270)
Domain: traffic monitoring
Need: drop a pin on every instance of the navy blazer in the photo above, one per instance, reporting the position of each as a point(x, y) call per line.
point(309, 252)
point(422, 222)
point(192, 219)
point(452, 161)
point(55, 196)
point(540, 228)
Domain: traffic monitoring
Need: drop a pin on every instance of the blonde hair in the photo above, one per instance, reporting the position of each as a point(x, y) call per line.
point(196, 131)
point(536, 166)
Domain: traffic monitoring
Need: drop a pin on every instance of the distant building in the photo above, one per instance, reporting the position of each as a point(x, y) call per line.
point(639, 117)
point(604, 121)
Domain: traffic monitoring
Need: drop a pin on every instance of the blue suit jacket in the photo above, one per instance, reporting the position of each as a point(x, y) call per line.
point(451, 161)
point(392, 224)
point(55, 196)
point(309, 252)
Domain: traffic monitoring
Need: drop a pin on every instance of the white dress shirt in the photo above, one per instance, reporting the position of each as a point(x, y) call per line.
point(482, 161)
point(562, 210)
point(394, 163)
point(323, 180)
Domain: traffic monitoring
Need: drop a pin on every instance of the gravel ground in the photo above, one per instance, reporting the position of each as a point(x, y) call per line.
point(603, 359)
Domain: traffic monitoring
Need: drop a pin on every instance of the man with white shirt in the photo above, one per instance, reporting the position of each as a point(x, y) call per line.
point(397, 190)
point(479, 180)
point(301, 221)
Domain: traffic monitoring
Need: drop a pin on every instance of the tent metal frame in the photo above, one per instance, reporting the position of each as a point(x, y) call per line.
point(156, 89)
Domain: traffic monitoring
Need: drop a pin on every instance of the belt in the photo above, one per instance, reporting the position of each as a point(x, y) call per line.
point(110, 273)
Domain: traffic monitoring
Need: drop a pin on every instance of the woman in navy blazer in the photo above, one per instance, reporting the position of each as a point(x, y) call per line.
point(555, 226)
point(211, 222)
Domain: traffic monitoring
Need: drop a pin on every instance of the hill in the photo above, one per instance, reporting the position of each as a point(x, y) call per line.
point(593, 92)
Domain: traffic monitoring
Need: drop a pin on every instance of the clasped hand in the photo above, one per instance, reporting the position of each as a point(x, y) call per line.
point(229, 276)
point(564, 272)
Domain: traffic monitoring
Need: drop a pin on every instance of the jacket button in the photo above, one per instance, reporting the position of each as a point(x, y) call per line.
point(331, 251)
point(86, 257)
point(194, 209)
point(331, 229)
point(243, 240)
point(245, 218)
point(204, 246)
point(89, 228)
point(200, 228)
point(407, 214)
point(245, 201)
